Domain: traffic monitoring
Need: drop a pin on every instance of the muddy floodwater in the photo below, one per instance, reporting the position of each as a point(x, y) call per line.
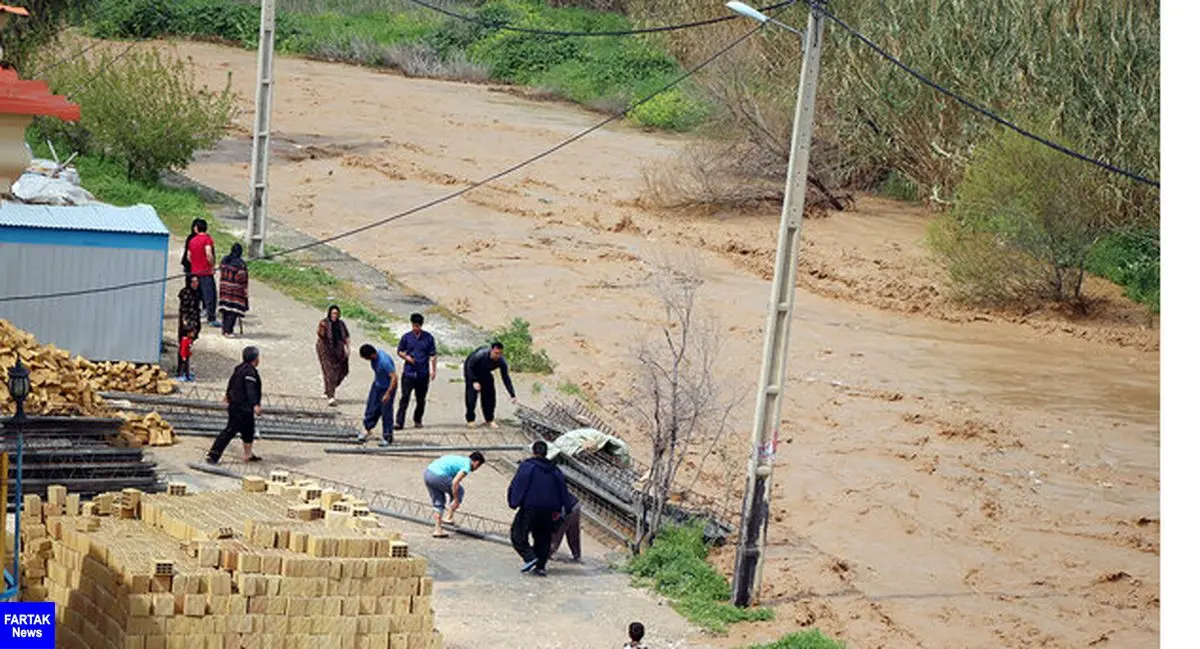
point(947, 478)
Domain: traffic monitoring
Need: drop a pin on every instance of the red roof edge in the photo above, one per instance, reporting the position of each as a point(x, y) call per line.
point(21, 97)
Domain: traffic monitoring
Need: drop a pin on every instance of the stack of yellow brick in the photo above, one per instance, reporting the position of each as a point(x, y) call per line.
point(223, 570)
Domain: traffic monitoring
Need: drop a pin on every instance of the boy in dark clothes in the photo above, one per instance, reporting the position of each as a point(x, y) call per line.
point(539, 494)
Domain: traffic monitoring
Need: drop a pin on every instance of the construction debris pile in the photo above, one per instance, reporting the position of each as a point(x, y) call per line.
point(277, 565)
point(126, 376)
point(61, 385)
point(604, 475)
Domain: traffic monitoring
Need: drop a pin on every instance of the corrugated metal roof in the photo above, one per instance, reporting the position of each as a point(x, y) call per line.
point(137, 219)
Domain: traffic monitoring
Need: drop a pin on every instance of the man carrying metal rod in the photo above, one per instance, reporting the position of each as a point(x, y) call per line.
point(444, 476)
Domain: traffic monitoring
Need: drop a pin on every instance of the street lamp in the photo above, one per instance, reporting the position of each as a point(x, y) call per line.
point(747, 572)
point(747, 11)
point(18, 387)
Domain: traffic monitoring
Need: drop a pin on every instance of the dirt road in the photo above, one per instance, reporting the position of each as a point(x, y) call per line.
point(947, 478)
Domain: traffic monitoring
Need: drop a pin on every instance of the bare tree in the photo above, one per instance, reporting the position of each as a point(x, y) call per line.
point(676, 398)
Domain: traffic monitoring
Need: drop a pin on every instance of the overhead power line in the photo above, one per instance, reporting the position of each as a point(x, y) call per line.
point(624, 32)
point(423, 206)
point(976, 107)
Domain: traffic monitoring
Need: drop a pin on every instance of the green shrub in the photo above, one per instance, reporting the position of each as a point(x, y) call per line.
point(673, 110)
point(604, 73)
point(143, 109)
point(221, 19)
point(521, 58)
point(340, 37)
point(1132, 260)
point(813, 639)
point(519, 350)
point(676, 566)
point(1024, 222)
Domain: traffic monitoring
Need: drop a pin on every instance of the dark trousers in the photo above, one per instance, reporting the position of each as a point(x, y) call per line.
point(240, 423)
point(539, 523)
point(408, 385)
point(568, 527)
point(183, 366)
point(228, 321)
point(378, 409)
point(208, 295)
point(486, 394)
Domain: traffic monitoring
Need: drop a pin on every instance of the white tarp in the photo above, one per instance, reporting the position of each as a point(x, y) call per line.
point(45, 182)
point(43, 190)
point(583, 440)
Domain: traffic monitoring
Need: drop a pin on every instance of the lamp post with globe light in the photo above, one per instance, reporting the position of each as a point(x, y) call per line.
point(18, 387)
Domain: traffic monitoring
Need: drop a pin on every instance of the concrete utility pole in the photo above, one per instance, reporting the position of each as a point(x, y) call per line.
point(260, 151)
point(747, 574)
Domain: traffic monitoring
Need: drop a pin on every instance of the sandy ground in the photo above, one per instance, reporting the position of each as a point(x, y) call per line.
point(946, 478)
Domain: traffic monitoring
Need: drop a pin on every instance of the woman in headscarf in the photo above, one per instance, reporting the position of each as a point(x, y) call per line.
point(235, 290)
point(189, 306)
point(333, 350)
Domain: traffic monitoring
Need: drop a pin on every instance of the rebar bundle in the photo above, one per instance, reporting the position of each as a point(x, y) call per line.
point(608, 488)
point(74, 452)
point(200, 412)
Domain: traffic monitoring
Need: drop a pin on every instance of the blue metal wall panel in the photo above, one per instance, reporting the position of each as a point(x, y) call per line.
point(116, 325)
point(82, 238)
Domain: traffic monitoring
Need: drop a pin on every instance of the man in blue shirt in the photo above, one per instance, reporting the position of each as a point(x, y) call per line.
point(444, 476)
point(383, 389)
point(419, 351)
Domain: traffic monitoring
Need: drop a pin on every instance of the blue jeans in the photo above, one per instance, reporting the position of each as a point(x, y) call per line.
point(377, 408)
point(439, 487)
point(208, 296)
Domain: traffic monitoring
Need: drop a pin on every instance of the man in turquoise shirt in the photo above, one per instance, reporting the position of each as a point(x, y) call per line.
point(444, 477)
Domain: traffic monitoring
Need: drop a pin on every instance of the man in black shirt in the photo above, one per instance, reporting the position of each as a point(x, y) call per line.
point(477, 371)
point(243, 395)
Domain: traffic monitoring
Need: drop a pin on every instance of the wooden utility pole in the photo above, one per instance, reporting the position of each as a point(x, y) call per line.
point(260, 149)
point(747, 574)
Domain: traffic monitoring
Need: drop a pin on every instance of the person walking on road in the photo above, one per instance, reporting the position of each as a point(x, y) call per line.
point(333, 351)
point(243, 396)
point(444, 477)
point(569, 527)
point(419, 351)
point(481, 386)
point(202, 259)
point(539, 494)
point(383, 389)
point(235, 290)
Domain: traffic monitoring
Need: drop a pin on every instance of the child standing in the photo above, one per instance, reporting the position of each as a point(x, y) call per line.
point(636, 633)
point(184, 364)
